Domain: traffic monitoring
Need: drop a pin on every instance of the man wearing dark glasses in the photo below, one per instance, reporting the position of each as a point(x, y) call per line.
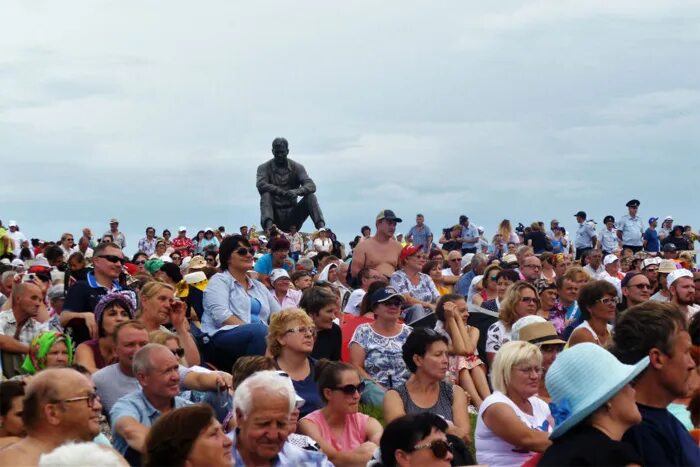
point(77, 316)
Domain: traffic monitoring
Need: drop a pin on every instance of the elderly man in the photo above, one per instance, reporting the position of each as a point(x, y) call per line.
point(280, 182)
point(450, 275)
point(157, 370)
point(381, 251)
point(611, 263)
point(658, 331)
point(681, 286)
point(264, 403)
point(19, 325)
point(595, 267)
point(478, 263)
point(367, 276)
point(650, 268)
point(60, 405)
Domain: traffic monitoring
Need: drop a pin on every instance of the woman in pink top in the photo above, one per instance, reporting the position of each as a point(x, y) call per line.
point(346, 436)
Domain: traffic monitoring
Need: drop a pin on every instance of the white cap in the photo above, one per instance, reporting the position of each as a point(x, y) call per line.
point(677, 274)
point(480, 228)
point(609, 259)
point(651, 261)
point(466, 260)
point(208, 229)
point(182, 228)
point(12, 224)
point(194, 277)
point(278, 274)
point(668, 218)
point(17, 263)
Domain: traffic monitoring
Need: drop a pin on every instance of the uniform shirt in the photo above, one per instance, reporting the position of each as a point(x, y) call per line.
point(584, 236)
point(608, 239)
point(632, 230)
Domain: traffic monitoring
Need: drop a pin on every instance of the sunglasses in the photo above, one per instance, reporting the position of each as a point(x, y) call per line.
point(113, 258)
point(440, 448)
point(393, 302)
point(350, 389)
point(243, 251)
point(640, 286)
point(179, 352)
point(138, 263)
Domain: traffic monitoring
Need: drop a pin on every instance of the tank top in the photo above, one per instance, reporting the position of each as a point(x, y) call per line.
point(95, 347)
point(586, 325)
point(442, 407)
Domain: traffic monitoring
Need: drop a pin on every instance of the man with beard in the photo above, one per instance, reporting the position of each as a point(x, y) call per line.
point(682, 289)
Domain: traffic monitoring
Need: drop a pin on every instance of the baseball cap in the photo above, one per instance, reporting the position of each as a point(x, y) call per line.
point(668, 218)
point(409, 250)
point(677, 274)
point(655, 261)
point(669, 248)
point(580, 214)
point(466, 260)
point(182, 228)
point(114, 220)
point(653, 219)
point(384, 294)
point(278, 274)
point(12, 224)
point(609, 259)
point(389, 215)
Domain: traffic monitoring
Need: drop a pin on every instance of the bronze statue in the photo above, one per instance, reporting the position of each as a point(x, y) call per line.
point(280, 181)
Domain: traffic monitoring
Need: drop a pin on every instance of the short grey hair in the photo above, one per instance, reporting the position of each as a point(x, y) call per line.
point(306, 264)
point(478, 259)
point(7, 275)
point(142, 359)
point(267, 382)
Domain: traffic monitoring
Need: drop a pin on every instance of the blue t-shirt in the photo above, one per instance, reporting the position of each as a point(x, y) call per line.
point(420, 236)
point(652, 238)
point(662, 440)
point(307, 389)
point(264, 265)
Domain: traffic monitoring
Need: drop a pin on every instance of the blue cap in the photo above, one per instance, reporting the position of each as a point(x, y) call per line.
point(653, 219)
point(382, 295)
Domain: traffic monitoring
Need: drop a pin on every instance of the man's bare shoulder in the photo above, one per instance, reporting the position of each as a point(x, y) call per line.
point(20, 453)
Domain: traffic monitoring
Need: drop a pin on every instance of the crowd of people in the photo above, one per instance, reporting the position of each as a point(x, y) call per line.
point(277, 348)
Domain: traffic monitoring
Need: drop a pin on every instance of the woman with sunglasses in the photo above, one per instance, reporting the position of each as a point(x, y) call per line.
point(513, 422)
point(208, 242)
point(489, 285)
point(158, 306)
point(375, 348)
point(236, 307)
point(520, 300)
point(597, 301)
point(414, 440)
point(290, 342)
point(112, 309)
point(345, 435)
point(418, 289)
point(425, 354)
point(171, 341)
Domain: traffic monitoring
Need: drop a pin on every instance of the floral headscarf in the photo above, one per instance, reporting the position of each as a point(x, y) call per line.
point(40, 347)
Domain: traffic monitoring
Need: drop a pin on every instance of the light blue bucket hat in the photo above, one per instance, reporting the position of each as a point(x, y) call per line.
point(582, 379)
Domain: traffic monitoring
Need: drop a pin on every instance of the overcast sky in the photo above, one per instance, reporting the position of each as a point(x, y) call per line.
point(159, 112)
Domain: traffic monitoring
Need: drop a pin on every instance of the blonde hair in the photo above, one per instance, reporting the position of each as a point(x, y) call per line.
point(511, 354)
point(161, 337)
point(505, 229)
point(149, 290)
point(279, 322)
point(510, 301)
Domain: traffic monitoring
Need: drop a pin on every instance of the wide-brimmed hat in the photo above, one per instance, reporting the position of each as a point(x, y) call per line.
point(667, 266)
point(582, 379)
point(540, 334)
point(197, 262)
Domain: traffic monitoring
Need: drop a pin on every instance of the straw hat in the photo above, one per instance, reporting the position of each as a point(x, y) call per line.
point(582, 379)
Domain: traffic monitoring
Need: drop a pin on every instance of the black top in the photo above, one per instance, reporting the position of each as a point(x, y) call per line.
point(585, 445)
point(81, 297)
point(482, 321)
point(661, 439)
point(539, 241)
point(328, 342)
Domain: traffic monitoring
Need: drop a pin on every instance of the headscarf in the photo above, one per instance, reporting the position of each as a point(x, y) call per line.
point(126, 298)
point(40, 347)
point(153, 265)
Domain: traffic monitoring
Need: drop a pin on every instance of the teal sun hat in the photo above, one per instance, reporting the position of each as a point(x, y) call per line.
point(582, 379)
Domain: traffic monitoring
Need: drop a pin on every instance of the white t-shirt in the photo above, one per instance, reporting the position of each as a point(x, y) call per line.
point(17, 237)
point(490, 448)
point(321, 244)
point(354, 301)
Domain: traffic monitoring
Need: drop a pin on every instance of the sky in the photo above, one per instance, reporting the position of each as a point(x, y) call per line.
point(158, 113)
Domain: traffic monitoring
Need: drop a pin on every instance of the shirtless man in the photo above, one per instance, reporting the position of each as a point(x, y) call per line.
point(380, 252)
point(60, 405)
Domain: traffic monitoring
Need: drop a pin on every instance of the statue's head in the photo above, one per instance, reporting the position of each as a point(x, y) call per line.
point(280, 149)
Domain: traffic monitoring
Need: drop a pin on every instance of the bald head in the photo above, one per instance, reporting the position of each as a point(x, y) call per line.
point(48, 386)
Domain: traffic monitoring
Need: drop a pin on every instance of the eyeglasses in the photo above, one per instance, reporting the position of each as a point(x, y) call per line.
point(530, 370)
point(350, 389)
point(302, 330)
point(528, 300)
point(179, 352)
point(243, 251)
point(609, 301)
point(138, 263)
point(90, 398)
point(440, 448)
point(113, 258)
point(640, 286)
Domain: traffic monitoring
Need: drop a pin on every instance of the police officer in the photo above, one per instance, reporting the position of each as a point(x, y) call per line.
point(630, 230)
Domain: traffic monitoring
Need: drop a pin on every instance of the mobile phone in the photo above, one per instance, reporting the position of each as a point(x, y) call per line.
point(29, 277)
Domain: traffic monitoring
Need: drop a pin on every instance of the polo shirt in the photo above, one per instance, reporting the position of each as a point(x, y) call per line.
point(137, 406)
point(83, 296)
point(264, 265)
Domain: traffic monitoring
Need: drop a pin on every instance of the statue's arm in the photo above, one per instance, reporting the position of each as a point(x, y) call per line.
point(263, 184)
point(307, 186)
